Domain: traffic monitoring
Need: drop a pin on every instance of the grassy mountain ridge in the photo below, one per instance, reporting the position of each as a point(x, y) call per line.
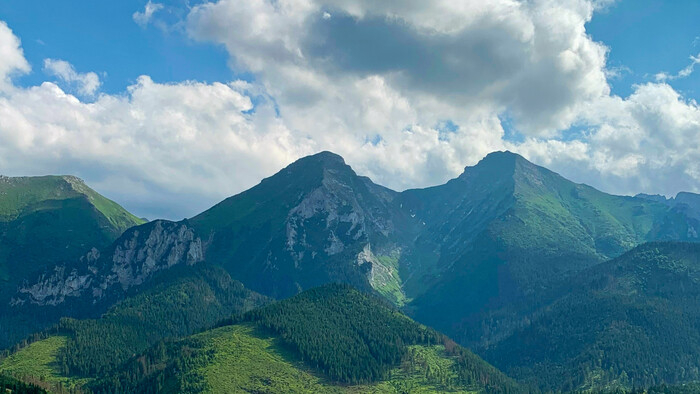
point(46, 222)
point(532, 230)
point(21, 195)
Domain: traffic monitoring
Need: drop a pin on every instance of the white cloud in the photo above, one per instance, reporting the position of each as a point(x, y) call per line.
point(684, 73)
point(12, 59)
point(647, 142)
point(532, 58)
point(174, 149)
point(86, 84)
point(143, 18)
point(193, 140)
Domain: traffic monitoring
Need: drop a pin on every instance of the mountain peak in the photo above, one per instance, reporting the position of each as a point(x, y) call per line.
point(497, 165)
point(502, 154)
point(315, 168)
point(502, 160)
point(323, 159)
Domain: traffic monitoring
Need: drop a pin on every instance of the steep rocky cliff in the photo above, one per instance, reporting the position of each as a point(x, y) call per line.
point(134, 258)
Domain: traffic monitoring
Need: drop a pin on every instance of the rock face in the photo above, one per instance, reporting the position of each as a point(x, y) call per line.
point(134, 258)
point(311, 224)
point(303, 227)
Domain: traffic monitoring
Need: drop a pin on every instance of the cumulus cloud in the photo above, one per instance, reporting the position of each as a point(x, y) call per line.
point(408, 94)
point(533, 58)
point(647, 142)
point(388, 74)
point(144, 18)
point(12, 59)
point(86, 84)
point(196, 141)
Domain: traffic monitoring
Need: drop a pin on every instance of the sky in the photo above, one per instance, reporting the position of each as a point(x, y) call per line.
point(169, 107)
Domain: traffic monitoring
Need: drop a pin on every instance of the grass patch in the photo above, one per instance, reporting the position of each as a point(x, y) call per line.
point(248, 360)
point(389, 282)
point(38, 364)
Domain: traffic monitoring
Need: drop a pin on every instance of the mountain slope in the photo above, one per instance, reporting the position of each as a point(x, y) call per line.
point(631, 321)
point(507, 230)
point(328, 339)
point(312, 223)
point(305, 226)
point(176, 303)
point(45, 222)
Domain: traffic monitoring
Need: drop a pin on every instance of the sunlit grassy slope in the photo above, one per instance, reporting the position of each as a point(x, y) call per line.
point(244, 359)
point(38, 363)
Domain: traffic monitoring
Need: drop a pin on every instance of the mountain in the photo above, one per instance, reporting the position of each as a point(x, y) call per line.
point(314, 222)
point(631, 321)
point(516, 226)
point(684, 205)
point(45, 222)
point(176, 303)
point(478, 258)
point(328, 339)
point(506, 231)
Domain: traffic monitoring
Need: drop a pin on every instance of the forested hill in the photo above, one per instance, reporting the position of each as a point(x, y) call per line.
point(630, 322)
point(328, 339)
point(179, 302)
point(13, 386)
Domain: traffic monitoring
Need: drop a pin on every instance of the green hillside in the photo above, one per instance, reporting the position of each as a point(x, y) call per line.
point(39, 363)
point(14, 386)
point(328, 339)
point(178, 303)
point(23, 195)
point(631, 322)
point(508, 231)
point(45, 222)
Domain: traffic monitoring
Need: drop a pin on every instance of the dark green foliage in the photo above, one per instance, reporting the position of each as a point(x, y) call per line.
point(158, 370)
point(14, 386)
point(632, 321)
point(357, 338)
point(349, 336)
point(690, 388)
point(182, 301)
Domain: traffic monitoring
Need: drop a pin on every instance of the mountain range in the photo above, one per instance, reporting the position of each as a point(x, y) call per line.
point(550, 281)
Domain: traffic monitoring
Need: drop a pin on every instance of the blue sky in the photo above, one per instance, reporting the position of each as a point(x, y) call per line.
point(205, 98)
point(648, 37)
point(102, 37)
point(645, 37)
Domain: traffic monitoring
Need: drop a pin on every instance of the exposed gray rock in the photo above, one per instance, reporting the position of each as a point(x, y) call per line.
point(142, 252)
point(53, 289)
